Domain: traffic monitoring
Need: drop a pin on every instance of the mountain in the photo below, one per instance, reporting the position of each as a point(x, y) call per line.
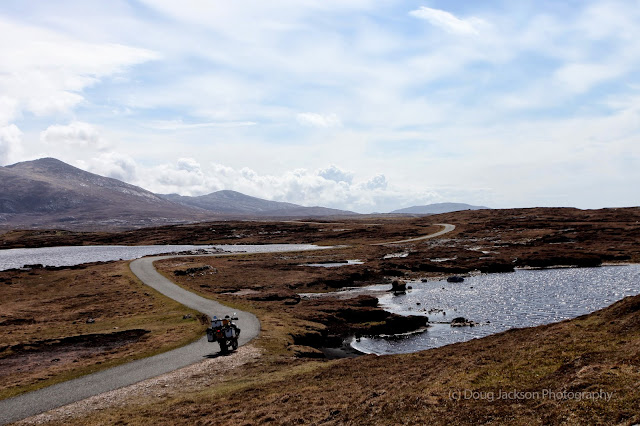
point(438, 208)
point(235, 203)
point(48, 193)
point(230, 202)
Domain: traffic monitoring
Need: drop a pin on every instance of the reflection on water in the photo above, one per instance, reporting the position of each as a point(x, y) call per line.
point(75, 255)
point(335, 264)
point(503, 301)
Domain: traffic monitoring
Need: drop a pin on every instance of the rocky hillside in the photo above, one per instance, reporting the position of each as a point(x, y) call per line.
point(236, 203)
point(49, 193)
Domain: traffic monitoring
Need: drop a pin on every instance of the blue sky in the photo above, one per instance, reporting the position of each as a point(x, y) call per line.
point(363, 105)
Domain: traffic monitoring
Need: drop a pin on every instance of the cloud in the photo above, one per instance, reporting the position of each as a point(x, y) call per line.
point(331, 186)
point(113, 165)
point(408, 96)
point(335, 174)
point(449, 22)
point(76, 134)
point(579, 78)
point(318, 120)
point(376, 182)
point(179, 125)
point(10, 143)
point(48, 71)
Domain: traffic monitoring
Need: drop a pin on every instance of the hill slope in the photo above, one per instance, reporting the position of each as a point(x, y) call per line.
point(438, 208)
point(49, 192)
point(236, 203)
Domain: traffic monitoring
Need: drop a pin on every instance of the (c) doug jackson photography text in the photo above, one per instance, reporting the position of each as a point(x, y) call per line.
point(469, 394)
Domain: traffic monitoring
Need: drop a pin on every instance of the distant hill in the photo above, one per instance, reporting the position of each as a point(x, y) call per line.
point(49, 193)
point(234, 203)
point(438, 208)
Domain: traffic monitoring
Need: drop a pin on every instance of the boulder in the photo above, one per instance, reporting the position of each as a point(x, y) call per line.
point(462, 322)
point(455, 279)
point(398, 286)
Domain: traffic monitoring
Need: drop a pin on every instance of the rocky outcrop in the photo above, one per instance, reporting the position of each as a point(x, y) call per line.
point(462, 322)
point(398, 286)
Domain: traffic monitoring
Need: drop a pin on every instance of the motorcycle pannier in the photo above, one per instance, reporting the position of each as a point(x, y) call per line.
point(211, 337)
point(229, 333)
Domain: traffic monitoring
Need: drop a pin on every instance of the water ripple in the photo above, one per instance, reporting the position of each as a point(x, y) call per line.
point(499, 302)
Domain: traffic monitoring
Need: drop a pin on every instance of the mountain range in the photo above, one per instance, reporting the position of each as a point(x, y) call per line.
point(48, 193)
point(438, 208)
point(234, 203)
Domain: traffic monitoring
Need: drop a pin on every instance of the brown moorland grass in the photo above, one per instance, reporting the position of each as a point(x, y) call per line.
point(588, 355)
point(60, 324)
point(595, 352)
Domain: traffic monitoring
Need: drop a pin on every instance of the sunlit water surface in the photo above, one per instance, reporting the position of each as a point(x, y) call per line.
point(502, 301)
point(75, 255)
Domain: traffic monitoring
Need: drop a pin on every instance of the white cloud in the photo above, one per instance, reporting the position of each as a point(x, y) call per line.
point(8, 109)
point(449, 22)
point(179, 125)
point(10, 143)
point(76, 134)
point(336, 174)
point(376, 182)
point(579, 78)
point(331, 186)
point(113, 165)
point(318, 120)
point(45, 72)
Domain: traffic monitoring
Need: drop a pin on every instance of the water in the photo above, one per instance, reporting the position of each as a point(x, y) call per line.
point(502, 301)
point(75, 255)
point(335, 264)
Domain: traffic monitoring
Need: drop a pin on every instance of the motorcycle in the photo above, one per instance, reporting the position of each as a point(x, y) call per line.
point(225, 332)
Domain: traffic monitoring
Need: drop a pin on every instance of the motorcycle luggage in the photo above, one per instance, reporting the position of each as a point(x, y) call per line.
point(211, 337)
point(229, 333)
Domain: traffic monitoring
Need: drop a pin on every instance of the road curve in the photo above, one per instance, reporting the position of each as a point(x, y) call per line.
point(45, 399)
point(64, 393)
point(447, 228)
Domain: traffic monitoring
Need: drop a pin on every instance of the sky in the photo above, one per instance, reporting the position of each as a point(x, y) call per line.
point(365, 105)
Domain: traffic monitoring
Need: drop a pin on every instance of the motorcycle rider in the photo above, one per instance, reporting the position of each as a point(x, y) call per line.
point(230, 323)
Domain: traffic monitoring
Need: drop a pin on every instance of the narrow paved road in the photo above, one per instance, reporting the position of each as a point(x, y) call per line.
point(64, 393)
point(36, 402)
point(447, 228)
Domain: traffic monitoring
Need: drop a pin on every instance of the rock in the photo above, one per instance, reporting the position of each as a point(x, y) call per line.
point(188, 316)
point(462, 322)
point(455, 279)
point(398, 285)
point(90, 320)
